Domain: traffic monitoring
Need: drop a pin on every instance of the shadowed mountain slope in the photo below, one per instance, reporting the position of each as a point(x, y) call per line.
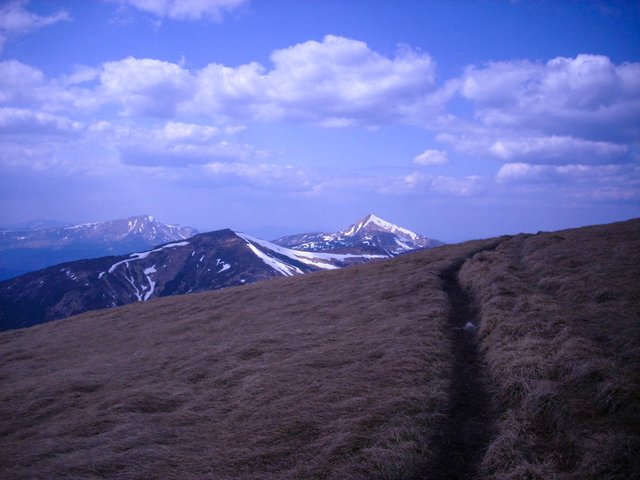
point(346, 374)
point(208, 261)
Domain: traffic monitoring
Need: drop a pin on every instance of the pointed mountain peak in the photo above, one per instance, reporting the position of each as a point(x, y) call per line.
point(372, 222)
point(371, 234)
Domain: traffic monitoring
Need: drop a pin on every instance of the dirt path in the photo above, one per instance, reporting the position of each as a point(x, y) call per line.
point(465, 435)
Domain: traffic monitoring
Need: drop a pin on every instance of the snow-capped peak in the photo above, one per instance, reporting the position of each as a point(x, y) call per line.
point(373, 222)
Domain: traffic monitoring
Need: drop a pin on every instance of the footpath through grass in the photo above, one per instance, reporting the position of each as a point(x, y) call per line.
point(560, 332)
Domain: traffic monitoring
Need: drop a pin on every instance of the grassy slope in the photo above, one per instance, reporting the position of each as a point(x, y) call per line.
point(341, 374)
point(561, 336)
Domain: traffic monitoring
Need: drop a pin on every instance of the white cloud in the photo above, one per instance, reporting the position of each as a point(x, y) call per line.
point(262, 175)
point(443, 184)
point(186, 9)
point(432, 157)
point(226, 92)
point(344, 78)
point(183, 154)
point(515, 172)
point(575, 181)
point(146, 86)
point(15, 19)
point(554, 147)
point(19, 121)
point(173, 131)
point(585, 97)
point(519, 115)
point(173, 144)
point(19, 83)
point(336, 82)
point(546, 118)
point(438, 185)
point(24, 86)
point(537, 149)
point(35, 139)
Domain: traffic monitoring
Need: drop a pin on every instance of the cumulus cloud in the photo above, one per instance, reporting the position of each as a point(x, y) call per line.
point(15, 19)
point(227, 92)
point(577, 181)
point(20, 83)
point(535, 117)
point(341, 78)
point(175, 144)
point(334, 83)
point(337, 82)
point(19, 121)
point(431, 157)
point(146, 86)
point(186, 9)
point(24, 86)
point(586, 97)
point(188, 131)
point(38, 140)
point(567, 111)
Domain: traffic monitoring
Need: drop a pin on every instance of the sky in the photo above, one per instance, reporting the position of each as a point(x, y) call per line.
point(457, 120)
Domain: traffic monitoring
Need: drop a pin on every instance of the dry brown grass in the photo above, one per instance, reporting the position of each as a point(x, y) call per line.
point(561, 335)
point(334, 375)
point(341, 374)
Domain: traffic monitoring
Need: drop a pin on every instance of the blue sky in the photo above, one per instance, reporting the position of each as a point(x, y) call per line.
point(457, 120)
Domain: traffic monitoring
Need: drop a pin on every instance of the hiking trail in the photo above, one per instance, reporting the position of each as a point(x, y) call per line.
point(467, 430)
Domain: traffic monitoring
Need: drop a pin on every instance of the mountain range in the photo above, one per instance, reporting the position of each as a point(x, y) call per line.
point(31, 247)
point(206, 261)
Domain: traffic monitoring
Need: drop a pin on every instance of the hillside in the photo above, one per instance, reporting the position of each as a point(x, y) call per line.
point(369, 372)
point(207, 261)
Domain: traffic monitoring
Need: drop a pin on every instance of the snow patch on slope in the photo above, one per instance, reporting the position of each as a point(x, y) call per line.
point(152, 284)
point(277, 265)
point(145, 290)
point(141, 255)
point(319, 260)
point(225, 266)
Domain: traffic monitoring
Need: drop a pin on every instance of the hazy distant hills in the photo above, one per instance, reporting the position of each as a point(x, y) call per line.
point(29, 247)
point(207, 261)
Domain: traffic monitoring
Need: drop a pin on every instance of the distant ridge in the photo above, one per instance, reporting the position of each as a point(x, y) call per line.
point(370, 234)
point(33, 247)
point(207, 261)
